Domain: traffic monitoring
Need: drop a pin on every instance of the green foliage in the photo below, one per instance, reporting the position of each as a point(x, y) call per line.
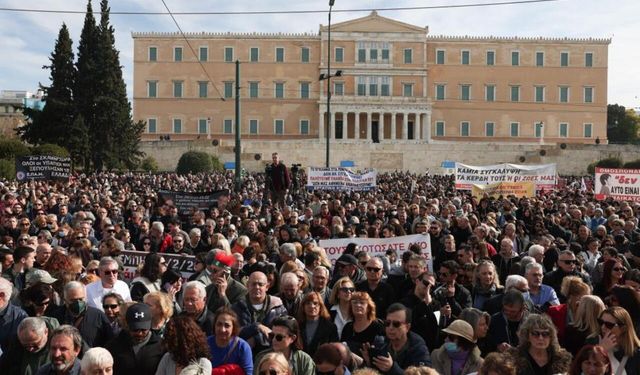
point(634, 164)
point(50, 149)
point(10, 148)
point(149, 164)
point(194, 162)
point(622, 124)
point(7, 169)
point(218, 166)
point(611, 162)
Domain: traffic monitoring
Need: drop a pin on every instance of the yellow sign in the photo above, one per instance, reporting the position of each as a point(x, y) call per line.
point(519, 189)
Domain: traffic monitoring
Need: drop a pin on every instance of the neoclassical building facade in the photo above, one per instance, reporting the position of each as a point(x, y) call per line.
point(397, 83)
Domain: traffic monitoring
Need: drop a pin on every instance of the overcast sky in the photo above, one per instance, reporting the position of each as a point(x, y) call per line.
point(27, 39)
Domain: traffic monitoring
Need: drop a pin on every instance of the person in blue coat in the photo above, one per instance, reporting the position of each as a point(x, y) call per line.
point(225, 345)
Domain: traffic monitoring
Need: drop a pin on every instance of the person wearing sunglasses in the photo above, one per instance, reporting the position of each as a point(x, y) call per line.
point(108, 271)
point(616, 334)
point(612, 274)
point(329, 361)
point(340, 301)
point(459, 354)
point(538, 351)
point(111, 303)
point(273, 364)
point(285, 338)
point(567, 264)
point(381, 292)
point(400, 348)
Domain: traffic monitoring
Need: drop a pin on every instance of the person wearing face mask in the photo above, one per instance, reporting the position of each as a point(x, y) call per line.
point(459, 354)
point(93, 324)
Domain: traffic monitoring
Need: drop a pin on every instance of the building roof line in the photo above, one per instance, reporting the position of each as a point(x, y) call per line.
point(517, 39)
point(228, 34)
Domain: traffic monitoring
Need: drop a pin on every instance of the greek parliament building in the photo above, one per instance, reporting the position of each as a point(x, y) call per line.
point(398, 83)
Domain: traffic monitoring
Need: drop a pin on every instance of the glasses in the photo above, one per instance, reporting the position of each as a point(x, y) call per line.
point(618, 269)
point(359, 302)
point(426, 283)
point(25, 224)
point(569, 261)
point(109, 307)
point(43, 303)
point(23, 239)
point(543, 334)
point(443, 274)
point(373, 269)
point(609, 325)
point(110, 272)
point(177, 241)
point(394, 323)
point(279, 337)
point(270, 371)
point(347, 290)
point(146, 243)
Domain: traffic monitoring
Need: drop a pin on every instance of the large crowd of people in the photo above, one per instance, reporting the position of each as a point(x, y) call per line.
point(535, 285)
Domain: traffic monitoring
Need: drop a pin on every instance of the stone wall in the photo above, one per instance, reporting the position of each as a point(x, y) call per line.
point(413, 156)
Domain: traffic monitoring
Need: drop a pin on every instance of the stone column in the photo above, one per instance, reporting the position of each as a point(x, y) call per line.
point(417, 126)
point(405, 126)
point(380, 126)
point(332, 127)
point(393, 125)
point(356, 128)
point(427, 127)
point(369, 120)
point(321, 135)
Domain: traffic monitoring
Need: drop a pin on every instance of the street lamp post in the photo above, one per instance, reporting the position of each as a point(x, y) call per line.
point(328, 78)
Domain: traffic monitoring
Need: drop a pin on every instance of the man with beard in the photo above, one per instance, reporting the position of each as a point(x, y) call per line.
point(64, 346)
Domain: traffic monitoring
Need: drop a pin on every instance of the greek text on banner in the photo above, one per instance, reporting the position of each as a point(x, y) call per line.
point(543, 176)
point(340, 179)
point(518, 189)
point(619, 184)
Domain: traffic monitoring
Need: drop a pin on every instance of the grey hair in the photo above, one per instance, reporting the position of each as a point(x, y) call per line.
point(536, 249)
point(196, 285)
point(72, 285)
point(195, 232)
point(324, 270)
point(95, 357)
point(533, 266)
point(6, 288)
point(71, 332)
point(472, 316)
point(289, 278)
point(243, 241)
point(513, 281)
point(158, 225)
point(526, 261)
point(289, 249)
point(33, 324)
point(105, 261)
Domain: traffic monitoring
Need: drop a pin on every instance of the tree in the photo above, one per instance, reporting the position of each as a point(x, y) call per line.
point(622, 124)
point(52, 124)
point(194, 162)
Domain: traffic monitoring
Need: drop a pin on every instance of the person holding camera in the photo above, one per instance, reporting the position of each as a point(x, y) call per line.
point(279, 181)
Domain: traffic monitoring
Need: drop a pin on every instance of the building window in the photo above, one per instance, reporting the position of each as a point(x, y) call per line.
point(564, 58)
point(407, 89)
point(464, 59)
point(362, 86)
point(515, 93)
point(204, 53)
point(279, 94)
point(228, 54)
point(279, 54)
point(539, 58)
point(304, 90)
point(440, 92)
point(304, 54)
point(515, 58)
point(278, 126)
point(464, 128)
point(254, 54)
point(539, 129)
point(563, 129)
point(440, 57)
point(588, 130)
point(439, 128)
point(153, 53)
point(491, 57)
point(304, 127)
point(408, 56)
point(385, 86)
point(490, 93)
point(385, 55)
point(373, 86)
point(515, 129)
point(373, 55)
point(203, 126)
point(152, 125)
point(228, 89)
point(253, 127)
point(465, 92)
point(253, 89)
point(227, 126)
point(588, 59)
point(489, 129)
point(338, 88)
point(177, 54)
point(588, 94)
point(203, 88)
point(564, 94)
point(362, 55)
point(339, 54)
point(177, 125)
point(539, 94)
point(152, 89)
point(177, 89)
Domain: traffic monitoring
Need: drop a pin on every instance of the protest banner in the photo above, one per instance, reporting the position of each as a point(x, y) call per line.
point(181, 263)
point(42, 167)
point(543, 176)
point(185, 201)
point(505, 189)
point(619, 184)
point(378, 246)
point(340, 179)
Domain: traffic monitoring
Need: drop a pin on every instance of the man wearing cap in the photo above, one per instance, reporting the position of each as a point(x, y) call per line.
point(460, 339)
point(136, 350)
point(223, 289)
point(401, 347)
point(347, 265)
point(108, 271)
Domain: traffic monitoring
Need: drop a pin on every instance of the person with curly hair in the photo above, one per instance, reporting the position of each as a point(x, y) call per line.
point(185, 344)
point(497, 364)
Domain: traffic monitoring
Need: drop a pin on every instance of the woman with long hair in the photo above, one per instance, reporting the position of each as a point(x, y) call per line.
point(617, 336)
point(340, 300)
point(538, 351)
point(185, 343)
point(591, 360)
point(480, 321)
point(149, 280)
point(161, 311)
point(171, 285)
point(573, 288)
point(273, 364)
point(612, 274)
point(585, 323)
point(486, 284)
point(286, 339)
point(227, 349)
point(316, 326)
point(365, 326)
point(625, 296)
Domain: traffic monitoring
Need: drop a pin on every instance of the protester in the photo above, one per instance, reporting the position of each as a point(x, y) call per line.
point(64, 347)
point(227, 349)
point(185, 344)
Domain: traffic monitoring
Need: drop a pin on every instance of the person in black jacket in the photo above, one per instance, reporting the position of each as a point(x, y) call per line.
point(136, 350)
point(567, 264)
point(316, 326)
point(279, 181)
point(195, 306)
